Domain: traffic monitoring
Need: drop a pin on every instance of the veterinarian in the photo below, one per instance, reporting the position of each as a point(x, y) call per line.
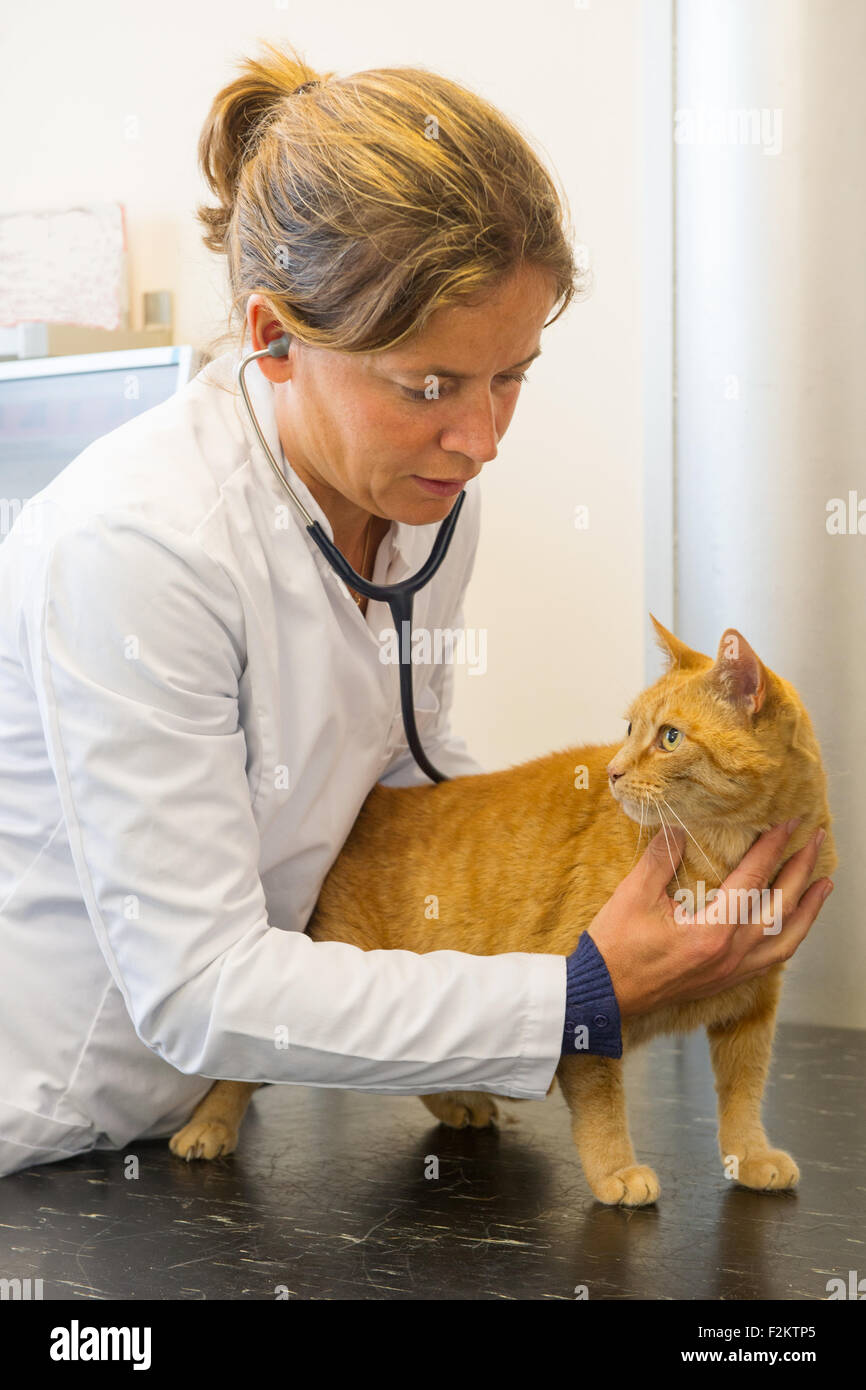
point(192, 703)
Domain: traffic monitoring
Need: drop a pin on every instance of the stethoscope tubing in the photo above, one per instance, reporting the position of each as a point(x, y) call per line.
point(399, 597)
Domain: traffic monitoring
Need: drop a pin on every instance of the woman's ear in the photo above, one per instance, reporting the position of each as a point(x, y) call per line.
point(265, 328)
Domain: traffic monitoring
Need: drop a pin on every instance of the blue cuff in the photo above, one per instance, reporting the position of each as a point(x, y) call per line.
point(592, 1021)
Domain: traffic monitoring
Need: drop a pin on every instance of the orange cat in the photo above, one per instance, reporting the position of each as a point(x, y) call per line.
point(522, 860)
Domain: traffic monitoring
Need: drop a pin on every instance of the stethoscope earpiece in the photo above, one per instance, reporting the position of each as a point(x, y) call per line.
point(399, 597)
point(279, 347)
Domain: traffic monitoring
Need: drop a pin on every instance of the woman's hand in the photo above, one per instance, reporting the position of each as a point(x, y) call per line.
point(656, 958)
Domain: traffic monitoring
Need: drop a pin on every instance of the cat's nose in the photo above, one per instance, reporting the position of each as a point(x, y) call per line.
point(614, 776)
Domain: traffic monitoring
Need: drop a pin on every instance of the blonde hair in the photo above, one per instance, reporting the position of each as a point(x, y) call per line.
point(359, 206)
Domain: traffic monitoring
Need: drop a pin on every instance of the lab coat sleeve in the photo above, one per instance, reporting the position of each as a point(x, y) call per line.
point(446, 750)
point(136, 644)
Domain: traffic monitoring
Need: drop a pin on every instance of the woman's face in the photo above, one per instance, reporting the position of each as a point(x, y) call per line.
point(358, 427)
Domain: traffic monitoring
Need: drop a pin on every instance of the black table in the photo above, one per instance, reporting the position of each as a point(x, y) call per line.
point(327, 1198)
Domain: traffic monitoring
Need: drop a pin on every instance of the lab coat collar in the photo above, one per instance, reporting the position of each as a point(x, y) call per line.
point(411, 543)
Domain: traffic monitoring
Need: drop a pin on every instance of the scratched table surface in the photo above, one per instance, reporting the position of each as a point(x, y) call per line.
point(343, 1195)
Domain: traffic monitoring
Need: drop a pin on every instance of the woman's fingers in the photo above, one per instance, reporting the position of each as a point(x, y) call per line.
point(745, 898)
point(779, 903)
point(795, 874)
point(763, 952)
point(760, 863)
point(773, 949)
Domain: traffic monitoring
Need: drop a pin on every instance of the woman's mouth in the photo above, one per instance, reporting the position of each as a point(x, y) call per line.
point(446, 488)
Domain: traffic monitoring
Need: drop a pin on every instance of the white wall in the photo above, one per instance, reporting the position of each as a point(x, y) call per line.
point(771, 335)
point(770, 288)
point(112, 110)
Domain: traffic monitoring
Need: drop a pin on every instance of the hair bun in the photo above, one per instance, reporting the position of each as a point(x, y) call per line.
point(239, 116)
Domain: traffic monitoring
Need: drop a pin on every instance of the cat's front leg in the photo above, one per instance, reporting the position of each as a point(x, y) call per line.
point(741, 1053)
point(593, 1087)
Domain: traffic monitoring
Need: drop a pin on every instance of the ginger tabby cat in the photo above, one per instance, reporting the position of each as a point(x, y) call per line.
point(523, 859)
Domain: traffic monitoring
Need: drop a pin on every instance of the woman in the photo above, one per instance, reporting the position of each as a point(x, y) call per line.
point(194, 704)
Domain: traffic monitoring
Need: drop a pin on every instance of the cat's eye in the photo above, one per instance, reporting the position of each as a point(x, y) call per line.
point(628, 730)
point(671, 737)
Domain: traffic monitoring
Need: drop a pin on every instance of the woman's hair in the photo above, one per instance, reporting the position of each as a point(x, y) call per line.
point(360, 205)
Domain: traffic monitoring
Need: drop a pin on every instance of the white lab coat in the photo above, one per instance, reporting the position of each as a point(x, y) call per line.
point(193, 710)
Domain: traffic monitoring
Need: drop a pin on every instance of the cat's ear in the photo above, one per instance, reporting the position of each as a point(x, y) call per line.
point(738, 674)
point(679, 655)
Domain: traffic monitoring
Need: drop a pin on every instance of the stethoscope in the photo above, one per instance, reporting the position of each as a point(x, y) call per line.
point(399, 597)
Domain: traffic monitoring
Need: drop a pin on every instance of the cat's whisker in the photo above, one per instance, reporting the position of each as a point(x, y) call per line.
point(689, 833)
point(667, 842)
point(644, 806)
point(639, 833)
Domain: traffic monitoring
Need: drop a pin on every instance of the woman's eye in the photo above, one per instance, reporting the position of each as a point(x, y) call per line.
point(417, 395)
point(671, 737)
point(520, 377)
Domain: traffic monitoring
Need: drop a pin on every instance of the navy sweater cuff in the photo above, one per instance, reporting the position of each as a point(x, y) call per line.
point(592, 1021)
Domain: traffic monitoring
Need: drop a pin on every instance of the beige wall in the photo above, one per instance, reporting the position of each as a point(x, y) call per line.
point(113, 111)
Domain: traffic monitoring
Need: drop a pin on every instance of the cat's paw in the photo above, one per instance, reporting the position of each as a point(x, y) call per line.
point(634, 1186)
point(768, 1170)
point(204, 1139)
point(461, 1108)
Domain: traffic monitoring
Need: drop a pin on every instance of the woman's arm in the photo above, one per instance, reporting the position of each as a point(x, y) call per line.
point(135, 642)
